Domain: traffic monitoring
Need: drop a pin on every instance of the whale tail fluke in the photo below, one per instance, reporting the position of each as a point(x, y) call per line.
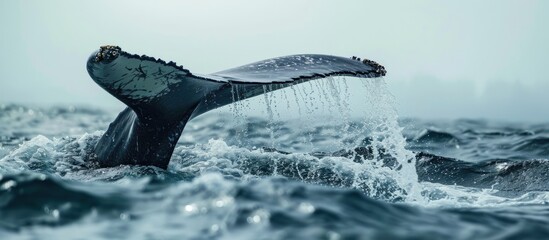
point(162, 96)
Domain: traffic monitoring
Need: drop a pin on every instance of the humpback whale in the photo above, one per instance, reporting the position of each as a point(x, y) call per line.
point(161, 97)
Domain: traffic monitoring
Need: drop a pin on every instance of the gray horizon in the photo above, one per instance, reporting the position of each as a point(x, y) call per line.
point(464, 59)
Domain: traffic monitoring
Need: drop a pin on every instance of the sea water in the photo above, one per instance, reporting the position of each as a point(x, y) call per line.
point(304, 163)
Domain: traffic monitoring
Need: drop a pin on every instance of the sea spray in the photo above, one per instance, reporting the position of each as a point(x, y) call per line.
point(57, 156)
point(379, 126)
point(386, 137)
point(369, 154)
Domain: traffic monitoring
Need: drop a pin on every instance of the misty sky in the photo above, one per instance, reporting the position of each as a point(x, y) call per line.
point(445, 59)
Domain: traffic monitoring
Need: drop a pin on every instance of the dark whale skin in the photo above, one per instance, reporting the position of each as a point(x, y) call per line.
point(163, 96)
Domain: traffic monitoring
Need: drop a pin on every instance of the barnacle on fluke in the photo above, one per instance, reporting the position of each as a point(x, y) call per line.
point(107, 53)
point(378, 68)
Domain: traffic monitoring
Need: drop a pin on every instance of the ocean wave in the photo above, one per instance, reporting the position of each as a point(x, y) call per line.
point(35, 199)
point(510, 177)
point(219, 207)
point(430, 136)
point(239, 179)
point(355, 169)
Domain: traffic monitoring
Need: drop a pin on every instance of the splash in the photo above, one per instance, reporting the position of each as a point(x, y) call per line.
point(330, 100)
point(58, 156)
point(369, 153)
point(386, 138)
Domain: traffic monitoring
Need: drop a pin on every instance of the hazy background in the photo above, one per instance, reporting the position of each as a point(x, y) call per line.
point(459, 59)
